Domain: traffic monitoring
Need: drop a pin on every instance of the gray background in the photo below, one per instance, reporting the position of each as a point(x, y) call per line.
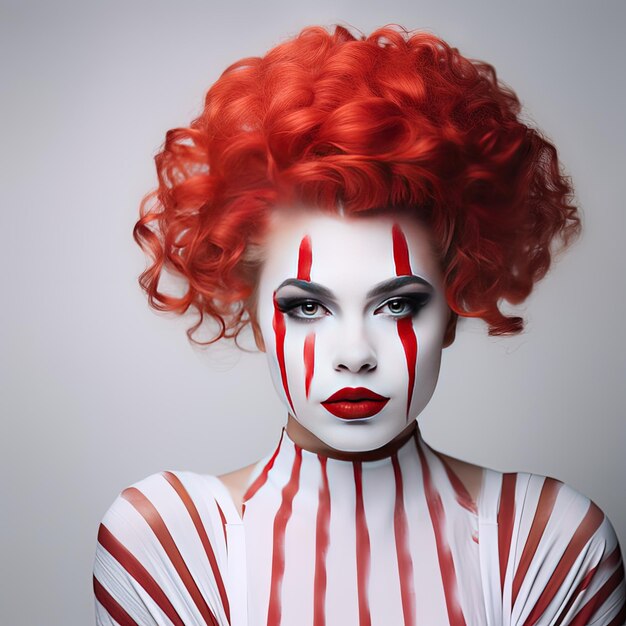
point(98, 391)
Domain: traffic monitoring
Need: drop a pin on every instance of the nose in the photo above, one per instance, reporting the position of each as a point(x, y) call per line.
point(353, 351)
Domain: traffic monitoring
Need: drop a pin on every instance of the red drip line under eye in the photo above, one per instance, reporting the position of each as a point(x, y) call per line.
point(405, 324)
point(278, 324)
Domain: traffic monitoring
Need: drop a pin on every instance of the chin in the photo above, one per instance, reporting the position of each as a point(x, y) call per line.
point(361, 435)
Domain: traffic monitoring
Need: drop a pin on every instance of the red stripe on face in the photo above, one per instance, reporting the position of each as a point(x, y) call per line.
point(274, 609)
point(309, 361)
point(153, 518)
point(362, 549)
point(405, 325)
point(179, 488)
point(405, 563)
point(278, 324)
point(409, 343)
point(305, 258)
point(322, 538)
point(400, 252)
point(139, 573)
point(444, 554)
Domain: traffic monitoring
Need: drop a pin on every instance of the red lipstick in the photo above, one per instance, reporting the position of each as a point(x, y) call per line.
point(354, 403)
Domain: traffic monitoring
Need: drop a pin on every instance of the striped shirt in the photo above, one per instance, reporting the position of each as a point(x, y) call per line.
point(328, 542)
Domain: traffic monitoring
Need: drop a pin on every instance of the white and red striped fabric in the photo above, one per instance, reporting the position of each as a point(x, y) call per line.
point(327, 542)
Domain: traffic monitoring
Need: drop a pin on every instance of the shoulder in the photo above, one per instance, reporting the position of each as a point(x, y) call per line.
point(158, 536)
point(160, 498)
point(559, 554)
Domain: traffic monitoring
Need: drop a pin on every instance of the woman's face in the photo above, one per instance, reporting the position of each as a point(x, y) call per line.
point(353, 317)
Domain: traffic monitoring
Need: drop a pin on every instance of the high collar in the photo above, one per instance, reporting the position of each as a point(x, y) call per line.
point(289, 463)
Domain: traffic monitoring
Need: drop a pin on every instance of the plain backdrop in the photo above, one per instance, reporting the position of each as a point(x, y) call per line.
point(98, 391)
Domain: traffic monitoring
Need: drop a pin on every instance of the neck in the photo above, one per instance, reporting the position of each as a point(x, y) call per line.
point(306, 440)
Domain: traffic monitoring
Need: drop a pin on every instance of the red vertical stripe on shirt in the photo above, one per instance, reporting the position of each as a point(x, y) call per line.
point(305, 257)
point(403, 553)
point(620, 618)
point(602, 569)
point(113, 608)
point(506, 519)
point(321, 548)
point(585, 615)
point(223, 519)
point(138, 572)
point(153, 518)
point(444, 554)
point(586, 529)
point(543, 512)
point(274, 609)
point(362, 549)
point(179, 488)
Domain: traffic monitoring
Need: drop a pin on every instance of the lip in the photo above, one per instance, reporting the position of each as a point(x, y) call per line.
point(354, 403)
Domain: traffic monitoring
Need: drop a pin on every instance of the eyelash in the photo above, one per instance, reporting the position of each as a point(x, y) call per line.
point(414, 302)
point(289, 309)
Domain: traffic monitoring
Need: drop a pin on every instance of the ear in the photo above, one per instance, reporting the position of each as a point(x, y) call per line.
point(450, 333)
point(258, 337)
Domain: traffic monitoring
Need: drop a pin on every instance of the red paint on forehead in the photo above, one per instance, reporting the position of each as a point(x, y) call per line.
point(305, 258)
point(400, 252)
point(309, 361)
point(405, 324)
point(278, 324)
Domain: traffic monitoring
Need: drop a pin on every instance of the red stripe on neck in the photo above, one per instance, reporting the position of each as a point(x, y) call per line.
point(403, 553)
point(274, 609)
point(322, 540)
point(362, 549)
point(444, 554)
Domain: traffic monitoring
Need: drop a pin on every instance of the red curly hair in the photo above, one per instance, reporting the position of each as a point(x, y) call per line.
point(394, 120)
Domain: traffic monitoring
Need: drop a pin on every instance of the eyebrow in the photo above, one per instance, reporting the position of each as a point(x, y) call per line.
point(381, 289)
point(315, 288)
point(388, 286)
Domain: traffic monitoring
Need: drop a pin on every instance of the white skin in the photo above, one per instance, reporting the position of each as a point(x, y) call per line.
point(357, 337)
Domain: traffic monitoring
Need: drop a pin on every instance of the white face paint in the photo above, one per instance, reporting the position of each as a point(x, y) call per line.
point(349, 303)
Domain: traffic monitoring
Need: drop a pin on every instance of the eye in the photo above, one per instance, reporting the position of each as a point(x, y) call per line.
point(403, 306)
point(303, 310)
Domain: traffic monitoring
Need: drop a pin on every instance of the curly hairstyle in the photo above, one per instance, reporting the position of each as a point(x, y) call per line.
point(392, 120)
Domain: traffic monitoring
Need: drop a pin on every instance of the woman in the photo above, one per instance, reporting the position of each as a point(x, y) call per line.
point(350, 199)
